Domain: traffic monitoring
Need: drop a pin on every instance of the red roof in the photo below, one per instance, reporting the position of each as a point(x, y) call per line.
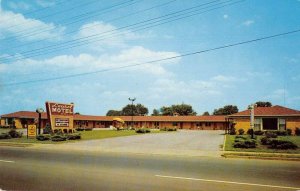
point(211, 118)
point(268, 111)
point(24, 114)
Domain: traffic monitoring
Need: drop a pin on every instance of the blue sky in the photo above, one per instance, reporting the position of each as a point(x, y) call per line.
point(46, 39)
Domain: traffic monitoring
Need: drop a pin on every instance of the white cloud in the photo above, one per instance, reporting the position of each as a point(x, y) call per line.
point(248, 23)
point(18, 5)
point(221, 78)
point(194, 89)
point(45, 3)
point(12, 24)
point(107, 33)
point(258, 74)
point(87, 62)
point(278, 94)
point(225, 16)
point(294, 78)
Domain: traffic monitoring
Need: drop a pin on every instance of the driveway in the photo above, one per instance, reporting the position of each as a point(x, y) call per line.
point(184, 142)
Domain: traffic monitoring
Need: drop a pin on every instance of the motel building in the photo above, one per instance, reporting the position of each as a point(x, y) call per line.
point(267, 119)
point(22, 119)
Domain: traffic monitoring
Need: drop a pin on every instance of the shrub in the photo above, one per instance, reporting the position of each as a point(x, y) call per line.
point(240, 137)
point(232, 131)
point(271, 134)
point(280, 144)
point(142, 130)
point(241, 131)
point(5, 136)
point(289, 132)
point(172, 129)
point(58, 131)
point(73, 136)
point(43, 137)
point(58, 138)
point(14, 134)
point(282, 133)
point(265, 141)
point(47, 129)
point(163, 129)
point(248, 143)
point(297, 131)
point(259, 132)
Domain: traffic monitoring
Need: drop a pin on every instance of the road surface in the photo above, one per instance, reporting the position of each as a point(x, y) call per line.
point(182, 142)
point(36, 169)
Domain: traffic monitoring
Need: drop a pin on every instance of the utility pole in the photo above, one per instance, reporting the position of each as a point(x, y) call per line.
point(132, 100)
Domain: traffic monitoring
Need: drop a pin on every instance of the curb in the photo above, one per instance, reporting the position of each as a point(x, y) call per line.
point(10, 144)
point(263, 156)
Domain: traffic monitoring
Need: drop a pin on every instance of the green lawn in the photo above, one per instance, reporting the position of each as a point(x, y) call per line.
point(263, 148)
point(85, 135)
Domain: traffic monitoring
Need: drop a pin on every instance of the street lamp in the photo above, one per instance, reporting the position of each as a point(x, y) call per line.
point(40, 111)
point(252, 106)
point(132, 100)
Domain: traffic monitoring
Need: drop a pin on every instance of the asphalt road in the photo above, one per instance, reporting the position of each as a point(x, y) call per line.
point(36, 169)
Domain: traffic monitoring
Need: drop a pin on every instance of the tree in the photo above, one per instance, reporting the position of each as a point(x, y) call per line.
point(166, 111)
point(141, 110)
point(226, 110)
point(129, 110)
point(182, 109)
point(205, 113)
point(135, 110)
point(262, 104)
point(113, 113)
point(155, 112)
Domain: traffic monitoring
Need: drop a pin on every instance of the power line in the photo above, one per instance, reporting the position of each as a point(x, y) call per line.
point(90, 26)
point(39, 10)
point(57, 13)
point(153, 61)
point(73, 20)
point(95, 35)
point(85, 40)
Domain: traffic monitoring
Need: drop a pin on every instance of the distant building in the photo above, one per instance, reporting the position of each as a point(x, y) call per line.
point(267, 118)
point(21, 119)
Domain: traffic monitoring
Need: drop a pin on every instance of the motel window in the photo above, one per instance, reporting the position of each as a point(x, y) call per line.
point(208, 124)
point(281, 124)
point(156, 124)
point(175, 123)
point(10, 121)
point(199, 124)
point(257, 124)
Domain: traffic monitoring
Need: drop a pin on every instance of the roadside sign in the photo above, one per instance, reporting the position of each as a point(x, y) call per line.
point(60, 115)
point(31, 131)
